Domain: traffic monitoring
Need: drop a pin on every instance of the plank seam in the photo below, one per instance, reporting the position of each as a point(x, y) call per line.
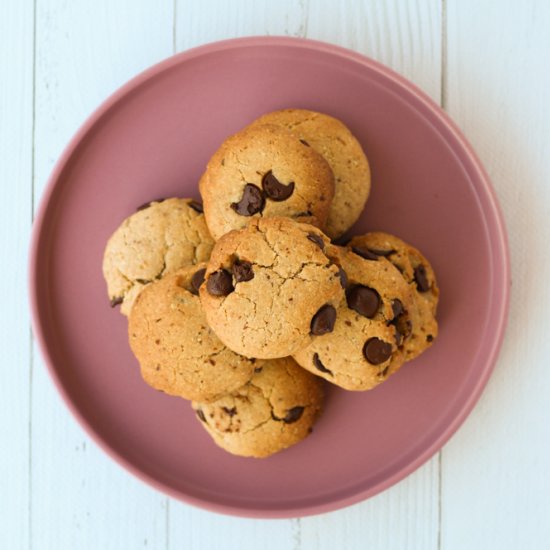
point(167, 523)
point(297, 533)
point(174, 19)
point(31, 337)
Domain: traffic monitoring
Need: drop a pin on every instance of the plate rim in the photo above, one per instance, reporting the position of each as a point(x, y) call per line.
point(500, 242)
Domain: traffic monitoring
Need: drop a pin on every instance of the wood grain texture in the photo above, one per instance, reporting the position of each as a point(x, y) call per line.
point(85, 50)
point(16, 127)
point(495, 470)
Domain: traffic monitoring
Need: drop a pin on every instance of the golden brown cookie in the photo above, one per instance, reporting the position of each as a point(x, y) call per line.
point(161, 237)
point(421, 277)
point(262, 172)
point(331, 138)
point(274, 410)
point(372, 326)
point(177, 351)
point(270, 288)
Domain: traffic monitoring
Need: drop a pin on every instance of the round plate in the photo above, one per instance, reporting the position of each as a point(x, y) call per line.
point(152, 139)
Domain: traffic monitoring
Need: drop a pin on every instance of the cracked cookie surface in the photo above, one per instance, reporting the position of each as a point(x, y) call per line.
point(274, 410)
point(421, 277)
point(262, 172)
point(335, 142)
point(372, 325)
point(177, 351)
point(288, 296)
point(161, 237)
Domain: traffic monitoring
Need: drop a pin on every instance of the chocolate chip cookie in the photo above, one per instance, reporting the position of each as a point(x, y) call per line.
point(161, 237)
point(331, 138)
point(177, 351)
point(270, 288)
point(373, 324)
point(421, 277)
point(274, 410)
point(265, 171)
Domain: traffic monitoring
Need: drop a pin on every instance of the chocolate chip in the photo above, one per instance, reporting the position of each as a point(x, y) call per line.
point(200, 415)
point(304, 142)
point(364, 300)
point(384, 253)
point(143, 281)
point(148, 204)
point(230, 412)
point(274, 189)
point(258, 369)
point(343, 278)
point(317, 240)
point(364, 253)
point(242, 271)
point(341, 241)
point(251, 202)
point(376, 351)
point(116, 301)
point(429, 338)
point(397, 308)
point(293, 415)
point(196, 280)
point(323, 321)
point(220, 283)
point(196, 206)
point(421, 278)
point(319, 366)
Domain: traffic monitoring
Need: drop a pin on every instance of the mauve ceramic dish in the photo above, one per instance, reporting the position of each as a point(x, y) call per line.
point(152, 139)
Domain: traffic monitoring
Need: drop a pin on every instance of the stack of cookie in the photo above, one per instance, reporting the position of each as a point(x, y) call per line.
point(243, 304)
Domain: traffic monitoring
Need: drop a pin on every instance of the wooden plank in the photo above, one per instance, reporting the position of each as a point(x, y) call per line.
point(495, 470)
point(85, 50)
point(407, 37)
point(16, 126)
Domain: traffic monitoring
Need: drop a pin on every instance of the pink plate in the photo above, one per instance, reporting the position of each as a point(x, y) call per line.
point(152, 139)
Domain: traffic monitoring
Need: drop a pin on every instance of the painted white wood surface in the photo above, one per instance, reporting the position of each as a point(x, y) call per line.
point(488, 61)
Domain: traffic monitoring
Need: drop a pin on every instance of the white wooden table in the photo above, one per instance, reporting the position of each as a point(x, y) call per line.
point(487, 63)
